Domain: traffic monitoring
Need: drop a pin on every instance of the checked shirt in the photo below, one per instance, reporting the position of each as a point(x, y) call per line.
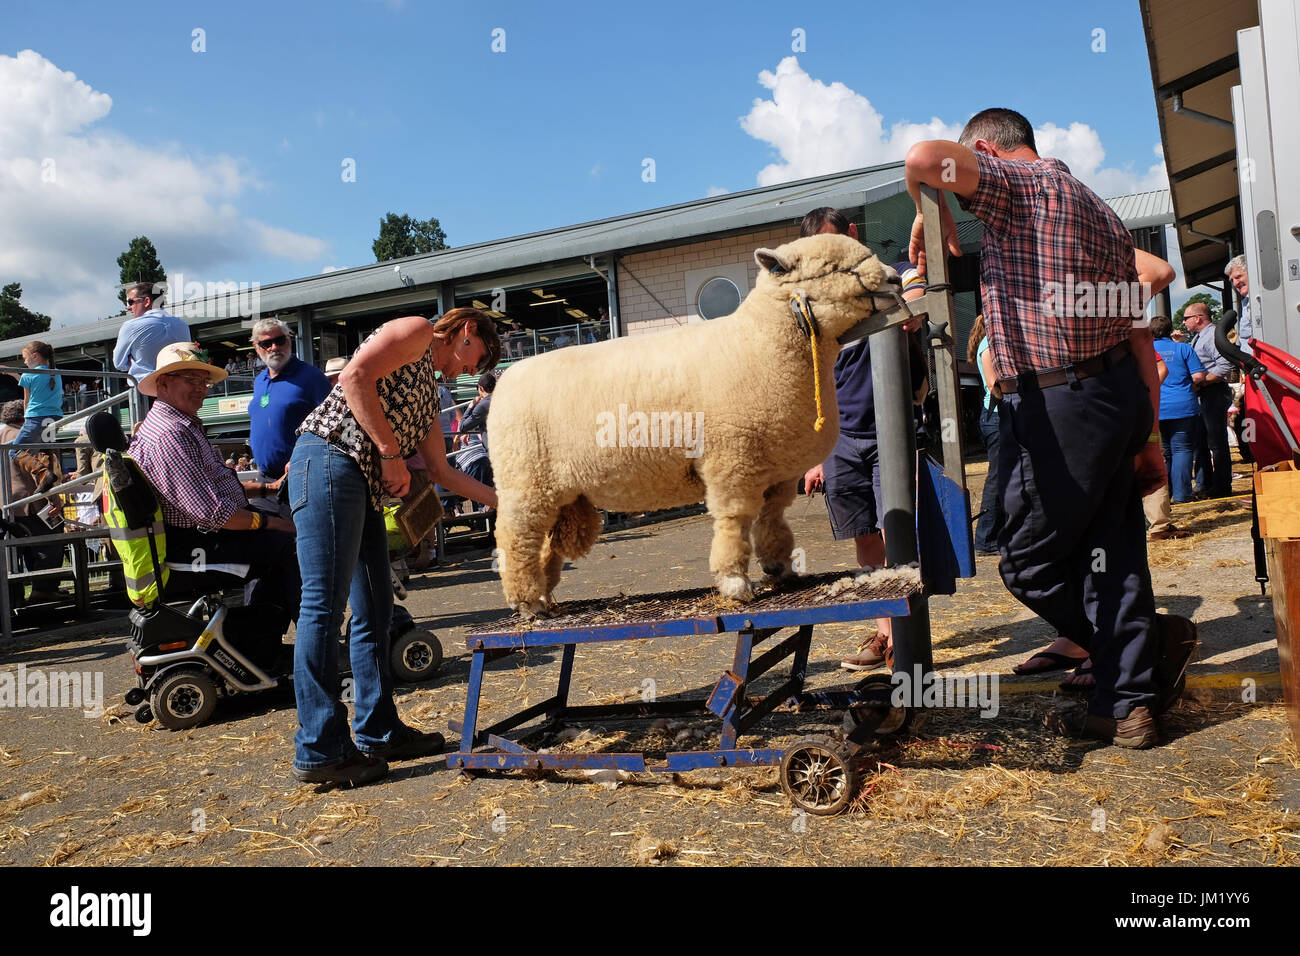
point(196, 487)
point(1045, 235)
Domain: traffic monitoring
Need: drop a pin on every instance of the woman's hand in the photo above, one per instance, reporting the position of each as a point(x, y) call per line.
point(396, 477)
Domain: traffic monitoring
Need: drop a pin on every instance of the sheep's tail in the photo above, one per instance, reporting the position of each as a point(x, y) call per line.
point(576, 530)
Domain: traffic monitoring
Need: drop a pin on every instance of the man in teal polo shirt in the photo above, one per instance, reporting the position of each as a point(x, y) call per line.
point(283, 394)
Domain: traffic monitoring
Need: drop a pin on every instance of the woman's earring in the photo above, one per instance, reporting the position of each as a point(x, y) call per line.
point(467, 341)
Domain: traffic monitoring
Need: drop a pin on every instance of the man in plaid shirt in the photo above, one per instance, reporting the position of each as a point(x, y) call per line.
point(1059, 282)
point(205, 511)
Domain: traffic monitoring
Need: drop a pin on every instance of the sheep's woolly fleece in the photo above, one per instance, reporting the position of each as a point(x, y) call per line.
point(735, 407)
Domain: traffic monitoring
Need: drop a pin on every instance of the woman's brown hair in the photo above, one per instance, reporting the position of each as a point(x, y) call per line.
point(975, 338)
point(450, 324)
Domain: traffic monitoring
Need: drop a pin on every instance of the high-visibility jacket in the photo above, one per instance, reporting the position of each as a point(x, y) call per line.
point(142, 548)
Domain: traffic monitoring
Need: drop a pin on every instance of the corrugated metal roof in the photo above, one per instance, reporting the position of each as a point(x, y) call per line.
point(668, 225)
point(1137, 210)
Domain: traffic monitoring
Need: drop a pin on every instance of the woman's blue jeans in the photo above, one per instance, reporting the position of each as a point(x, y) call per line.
point(1178, 438)
point(343, 555)
point(990, 523)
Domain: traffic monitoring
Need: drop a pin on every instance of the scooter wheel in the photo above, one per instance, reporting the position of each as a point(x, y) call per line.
point(416, 656)
point(134, 696)
point(144, 715)
point(184, 698)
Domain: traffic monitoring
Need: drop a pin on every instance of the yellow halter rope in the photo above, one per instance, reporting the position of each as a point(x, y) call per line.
point(799, 302)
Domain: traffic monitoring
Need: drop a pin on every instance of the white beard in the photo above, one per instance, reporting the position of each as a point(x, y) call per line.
point(277, 362)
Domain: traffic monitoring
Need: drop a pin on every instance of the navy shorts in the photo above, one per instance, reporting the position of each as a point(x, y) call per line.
point(852, 475)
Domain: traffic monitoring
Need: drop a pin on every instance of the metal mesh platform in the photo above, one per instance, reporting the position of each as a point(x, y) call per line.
point(704, 611)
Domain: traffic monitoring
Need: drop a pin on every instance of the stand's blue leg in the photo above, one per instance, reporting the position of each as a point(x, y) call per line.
point(739, 667)
point(566, 673)
point(472, 692)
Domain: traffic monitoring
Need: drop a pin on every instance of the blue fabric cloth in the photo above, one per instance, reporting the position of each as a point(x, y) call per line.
point(343, 556)
point(1074, 542)
point(46, 398)
point(140, 340)
point(1214, 457)
point(979, 370)
point(991, 519)
point(1177, 396)
point(1178, 439)
point(853, 389)
point(1211, 359)
point(852, 478)
point(278, 407)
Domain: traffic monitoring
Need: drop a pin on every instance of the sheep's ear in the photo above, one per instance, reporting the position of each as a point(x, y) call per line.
point(769, 260)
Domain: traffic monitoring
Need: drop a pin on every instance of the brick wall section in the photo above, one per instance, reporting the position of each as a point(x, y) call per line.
point(663, 272)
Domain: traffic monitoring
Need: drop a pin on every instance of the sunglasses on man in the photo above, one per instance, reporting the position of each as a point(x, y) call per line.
point(273, 343)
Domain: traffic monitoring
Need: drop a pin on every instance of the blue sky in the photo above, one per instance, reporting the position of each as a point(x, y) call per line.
point(230, 159)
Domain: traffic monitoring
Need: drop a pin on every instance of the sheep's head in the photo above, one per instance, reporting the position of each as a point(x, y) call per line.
point(842, 279)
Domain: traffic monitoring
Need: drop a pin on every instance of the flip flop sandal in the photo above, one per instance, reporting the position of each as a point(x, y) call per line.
point(1083, 670)
point(1056, 662)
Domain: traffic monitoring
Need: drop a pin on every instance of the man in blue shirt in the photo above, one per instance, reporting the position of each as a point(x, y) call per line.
point(1214, 471)
point(851, 475)
point(147, 333)
point(283, 395)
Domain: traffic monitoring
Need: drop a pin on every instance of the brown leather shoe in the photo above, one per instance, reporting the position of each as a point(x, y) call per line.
point(873, 654)
point(1168, 533)
point(1137, 731)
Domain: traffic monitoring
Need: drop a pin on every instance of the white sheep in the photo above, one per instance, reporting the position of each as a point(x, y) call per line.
point(721, 411)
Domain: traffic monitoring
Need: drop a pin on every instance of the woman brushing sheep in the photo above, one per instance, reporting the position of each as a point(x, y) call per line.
point(349, 458)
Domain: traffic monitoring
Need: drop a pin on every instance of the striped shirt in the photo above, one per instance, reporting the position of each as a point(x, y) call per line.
point(1054, 264)
point(196, 488)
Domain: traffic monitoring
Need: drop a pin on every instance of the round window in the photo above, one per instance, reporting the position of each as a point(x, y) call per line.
point(718, 297)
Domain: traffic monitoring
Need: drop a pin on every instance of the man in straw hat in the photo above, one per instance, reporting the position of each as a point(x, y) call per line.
point(205, 508)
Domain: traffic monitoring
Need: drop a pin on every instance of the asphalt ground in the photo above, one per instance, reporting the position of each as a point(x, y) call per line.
point(103, 790)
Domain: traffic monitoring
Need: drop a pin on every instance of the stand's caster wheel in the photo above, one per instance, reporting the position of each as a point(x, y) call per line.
point(879, 719)
point(416, 656)
point(184, 699)
point(818, 775)
point(144, 715)
point(134, 696)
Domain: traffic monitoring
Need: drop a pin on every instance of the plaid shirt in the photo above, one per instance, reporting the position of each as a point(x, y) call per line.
point(196, 487)
point(1045, 233)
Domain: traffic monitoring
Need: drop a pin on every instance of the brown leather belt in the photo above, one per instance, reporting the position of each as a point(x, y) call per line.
point(1059, 376)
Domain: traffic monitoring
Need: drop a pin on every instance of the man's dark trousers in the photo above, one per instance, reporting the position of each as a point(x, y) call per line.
point(1215, 401)
point(1073, 543)
point(272, 557)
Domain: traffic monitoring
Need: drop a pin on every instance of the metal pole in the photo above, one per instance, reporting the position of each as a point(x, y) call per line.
point(891, 379)
point(943, 336)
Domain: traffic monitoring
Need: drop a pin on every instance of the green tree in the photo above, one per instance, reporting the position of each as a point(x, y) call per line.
point(1205, 297)
point(15, 319)
point(139, 264)
point(401, 236)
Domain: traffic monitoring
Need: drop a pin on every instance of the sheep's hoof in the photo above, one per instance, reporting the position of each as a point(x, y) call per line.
point(736, 587)
point(780, 576)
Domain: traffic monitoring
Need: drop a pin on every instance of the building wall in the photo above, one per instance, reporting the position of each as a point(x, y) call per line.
point(663, 275)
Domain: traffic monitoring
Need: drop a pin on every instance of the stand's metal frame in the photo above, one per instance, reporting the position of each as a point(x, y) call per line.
point(922, 503)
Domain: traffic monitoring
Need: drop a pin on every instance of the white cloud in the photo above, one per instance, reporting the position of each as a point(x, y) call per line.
point(716, 191)
point(73, 196)
point(330, 269)
point(819, 128)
